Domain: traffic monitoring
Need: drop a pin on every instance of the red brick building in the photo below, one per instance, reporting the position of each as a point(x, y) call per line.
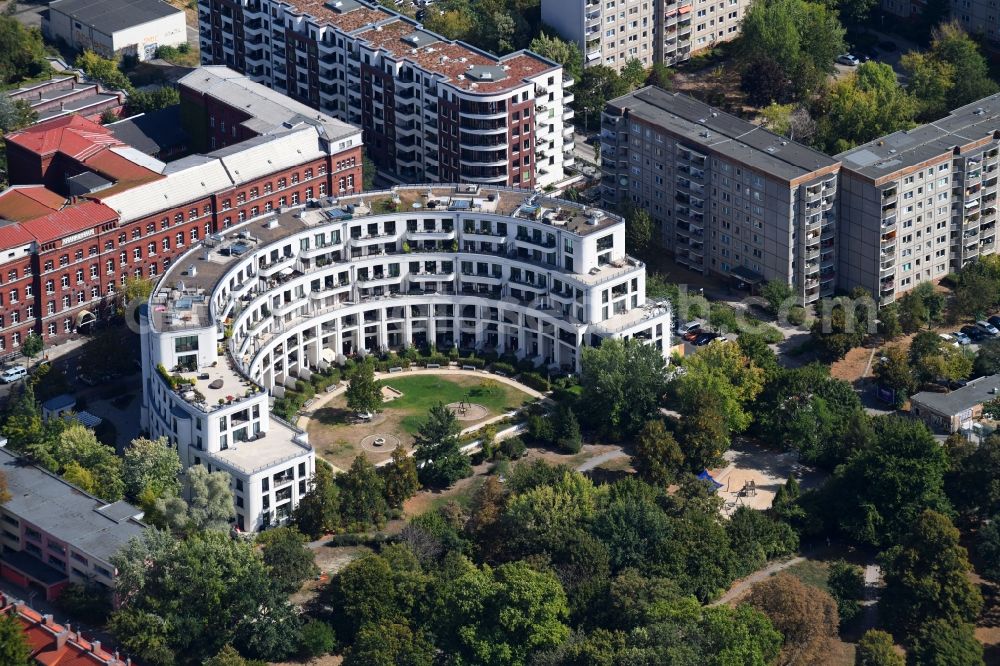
point(86, 211)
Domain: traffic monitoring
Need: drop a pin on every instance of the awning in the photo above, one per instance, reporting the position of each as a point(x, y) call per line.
point(705, 476)
point(85, 317)
point(747, 275)
point(685, 10)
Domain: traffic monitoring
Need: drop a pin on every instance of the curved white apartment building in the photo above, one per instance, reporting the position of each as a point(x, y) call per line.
point(270, 300)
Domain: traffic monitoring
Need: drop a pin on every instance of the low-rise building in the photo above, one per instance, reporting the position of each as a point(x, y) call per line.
point(115, 27)
point(66, 95)
point(54, 644)
point(956, 410)
point(53, 534)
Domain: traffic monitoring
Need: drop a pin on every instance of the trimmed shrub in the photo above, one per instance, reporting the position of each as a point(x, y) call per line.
point(535, 381)
point(512, 448)
point(505, 368)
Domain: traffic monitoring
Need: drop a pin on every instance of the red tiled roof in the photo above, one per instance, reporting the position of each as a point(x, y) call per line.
point(74, 136)
point(71, 220)
point(14, 235)
point(123, 171)
point(44, 639)
point(23, 202)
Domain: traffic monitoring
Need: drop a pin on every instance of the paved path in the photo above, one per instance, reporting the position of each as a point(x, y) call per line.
point(597, 461)
point(737, 590)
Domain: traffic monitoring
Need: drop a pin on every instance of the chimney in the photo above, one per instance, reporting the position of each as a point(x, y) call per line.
point(95, 646)
point(47, 620)
point(61, 639)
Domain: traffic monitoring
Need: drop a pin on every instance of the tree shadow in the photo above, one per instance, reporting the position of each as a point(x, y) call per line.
point(333, 416)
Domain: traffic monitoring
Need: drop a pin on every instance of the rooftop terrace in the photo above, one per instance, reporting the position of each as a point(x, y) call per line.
point(181, 300)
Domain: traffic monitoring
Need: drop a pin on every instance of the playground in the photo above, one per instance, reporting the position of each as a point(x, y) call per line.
point(338, 435)
point(753, 475)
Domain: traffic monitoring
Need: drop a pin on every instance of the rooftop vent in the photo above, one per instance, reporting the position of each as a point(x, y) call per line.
point(979, 111)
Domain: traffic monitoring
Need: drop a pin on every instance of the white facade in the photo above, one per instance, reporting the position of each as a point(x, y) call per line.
point(477, 268)
point(113, 31)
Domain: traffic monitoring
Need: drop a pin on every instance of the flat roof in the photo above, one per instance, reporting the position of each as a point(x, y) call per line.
point(152, 133)
point(67, 513)
point(955, 402)
point(108, 16)
point(906, 149)
point(275, 447)
point(181, 300)
point(700, 124)
point(269, 111)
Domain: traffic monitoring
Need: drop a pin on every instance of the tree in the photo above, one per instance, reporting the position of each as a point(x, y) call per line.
point(566, 429)
point(778, 295)
point(888, 323)
point(930, 81)
point(633, 73)
point(192, 597)
point(882, 489)
point(657, 457)
point(598, 84)
point(77, 447)
point(147, 101)
point(942, 643)
point(500, 616)
point(949, 364)
point(316, 639)
point(893, 372)
point(364, 394)
point(866, 105)
point(952, 45)
point(15, 114)
point(288, 558)
point(927, 578)
point(151, 468)
point(104, 71)
point(721, 369)
point(14, 648)
point(440, 461)
point(640, 233)
point(623, 382)
point(400, 477)
point(660, 76)
point(228, 656)
point(987, 361)
point(557, 50)
point(31, 346)
point(876, 649)
point(23, 51)
point(362, 496)
point(368, 170)
point(136, 290)
point(757, 538)
point(847, 587)
point(806, 616)
point(791, 43)
point(837, 332)
point(211, 501)
point(318, 512)
point(988, 548)
point(390, 645)
point(702, 433)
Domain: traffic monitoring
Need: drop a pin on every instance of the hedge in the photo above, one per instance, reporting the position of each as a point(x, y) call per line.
point(535, 381)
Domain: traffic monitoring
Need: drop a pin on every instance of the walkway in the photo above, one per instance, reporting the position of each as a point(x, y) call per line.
point(597, 461)
point(741, 587)
point(321, 399)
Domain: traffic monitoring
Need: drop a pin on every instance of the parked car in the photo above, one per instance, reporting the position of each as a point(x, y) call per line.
point(995, 320)
point(691, 335)
point(687, 327)
point(704, 339)
point(961, 338)
point(847, 59)
point(949, 339)
point(13, 374)
point(987, 328)
point(975, 335)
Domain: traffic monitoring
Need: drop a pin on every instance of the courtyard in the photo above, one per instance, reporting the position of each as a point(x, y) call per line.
point(338, 435)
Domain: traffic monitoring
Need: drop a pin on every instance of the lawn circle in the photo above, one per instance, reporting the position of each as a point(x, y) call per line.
point(380, 443)
point(465, 411)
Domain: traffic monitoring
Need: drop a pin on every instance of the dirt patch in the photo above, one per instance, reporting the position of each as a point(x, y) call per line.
point(852, 367)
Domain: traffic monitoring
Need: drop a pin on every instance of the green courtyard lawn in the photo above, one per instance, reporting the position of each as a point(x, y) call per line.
point(336, 434)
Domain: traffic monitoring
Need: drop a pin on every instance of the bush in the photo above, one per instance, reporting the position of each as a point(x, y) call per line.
point(316, 639)
point(505, 368)
point(770, 334)
point(540, 429)
point(512, 448)
point(476, 363)
point(535, 381)
point(796, 315)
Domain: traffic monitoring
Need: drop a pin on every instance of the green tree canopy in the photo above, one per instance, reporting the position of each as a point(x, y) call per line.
point(364, 394)
point(623, 382)
point(319, 511)
point(657, 457)
point(362, 496)
point(440, 462)
point(876, 649)
point(151, 468)
point(565, 53)
point(927, 578)
point(14, 647)
point(289, 560)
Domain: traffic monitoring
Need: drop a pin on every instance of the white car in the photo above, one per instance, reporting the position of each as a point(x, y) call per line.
point(948, 339)
point(987, 327)
point(848, 59)
point(688, 327)
point(13, 374)
point(961, 338)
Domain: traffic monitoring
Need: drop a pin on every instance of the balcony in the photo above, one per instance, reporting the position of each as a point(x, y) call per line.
point(430, 234)
point(431, 276)
point(365, 241)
